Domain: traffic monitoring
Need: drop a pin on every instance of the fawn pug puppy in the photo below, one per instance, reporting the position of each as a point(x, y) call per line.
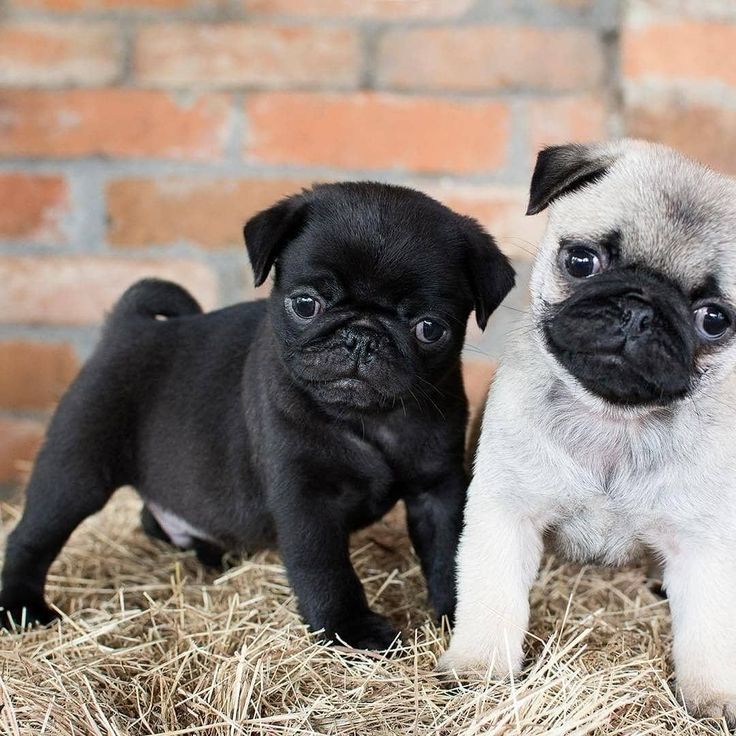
point(290, 421)
point(611, 422)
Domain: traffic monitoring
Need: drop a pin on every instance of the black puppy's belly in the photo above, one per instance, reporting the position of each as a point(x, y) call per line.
point(208, 553)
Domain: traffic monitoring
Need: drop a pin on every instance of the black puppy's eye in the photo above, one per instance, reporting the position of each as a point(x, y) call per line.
point(305, 307)
point(427, 330)
point(712, 321)
point(582, 261)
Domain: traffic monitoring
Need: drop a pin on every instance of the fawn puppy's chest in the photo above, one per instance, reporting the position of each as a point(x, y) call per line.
point(612, 494)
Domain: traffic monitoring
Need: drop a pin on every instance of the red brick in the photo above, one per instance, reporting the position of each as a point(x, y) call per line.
point(373, 131)
point(703, 132)
point(559, 120)
point(80, 290)
point(112, 122)
point(682, 50)
point(490, 57)
point(238, 54)
point(19, 442)
point(33, 375)
point(499, 209)
point(576, 4)
point(144, 212)
point(32, 207)
point(42, 54)
point(705, 9)
point(76, 6)
point(377, 9)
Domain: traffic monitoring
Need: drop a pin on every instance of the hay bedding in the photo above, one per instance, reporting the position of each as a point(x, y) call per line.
point(154, 644)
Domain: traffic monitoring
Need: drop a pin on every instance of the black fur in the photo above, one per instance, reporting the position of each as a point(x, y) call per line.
point(258, 429)
point(560, 170)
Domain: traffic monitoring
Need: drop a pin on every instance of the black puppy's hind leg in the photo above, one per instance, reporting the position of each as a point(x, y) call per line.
point(75, 473)
point(58, 499)
point(87, 452)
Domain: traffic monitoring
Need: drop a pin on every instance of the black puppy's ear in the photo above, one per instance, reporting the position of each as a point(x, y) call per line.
point(269, 231)
point(490, 273)
point(563, 169)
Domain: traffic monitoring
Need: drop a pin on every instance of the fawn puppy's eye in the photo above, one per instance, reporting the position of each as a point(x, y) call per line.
point(712, 321)
point(582, 261)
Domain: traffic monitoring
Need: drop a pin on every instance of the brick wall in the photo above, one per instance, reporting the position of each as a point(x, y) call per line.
point(136, 136)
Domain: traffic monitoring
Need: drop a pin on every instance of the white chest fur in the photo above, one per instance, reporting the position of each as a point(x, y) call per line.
point(605, 485)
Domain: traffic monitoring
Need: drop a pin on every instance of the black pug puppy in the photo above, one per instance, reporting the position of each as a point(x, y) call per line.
point(291, 421)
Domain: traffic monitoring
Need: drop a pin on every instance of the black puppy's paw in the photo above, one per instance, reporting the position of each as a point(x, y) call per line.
point(444, 606)
point(369, 631)
point(210, 555)
point(16, 611)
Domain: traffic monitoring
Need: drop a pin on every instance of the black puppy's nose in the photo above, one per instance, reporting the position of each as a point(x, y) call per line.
point(351, 342)
point(362, 346)
point(637, 316)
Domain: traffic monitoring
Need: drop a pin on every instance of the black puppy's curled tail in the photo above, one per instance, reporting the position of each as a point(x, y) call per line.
point(154, 298)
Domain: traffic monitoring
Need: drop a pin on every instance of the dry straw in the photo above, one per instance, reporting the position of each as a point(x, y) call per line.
point(151, 643)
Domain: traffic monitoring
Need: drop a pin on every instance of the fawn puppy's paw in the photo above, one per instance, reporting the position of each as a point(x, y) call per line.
point(704, 703)
point(467, 665)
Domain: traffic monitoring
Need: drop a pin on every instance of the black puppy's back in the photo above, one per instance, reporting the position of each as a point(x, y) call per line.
point(158, 404)
point(176, 374)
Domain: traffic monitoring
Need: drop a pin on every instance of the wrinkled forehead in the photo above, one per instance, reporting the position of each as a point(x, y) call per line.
point(672, 216)
point(395, 263)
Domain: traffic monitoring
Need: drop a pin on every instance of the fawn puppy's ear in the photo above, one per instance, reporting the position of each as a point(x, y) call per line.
point(563, 169)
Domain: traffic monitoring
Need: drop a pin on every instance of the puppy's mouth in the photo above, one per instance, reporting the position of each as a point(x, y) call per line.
point(629, 344)
point(348, 392)
point(355, 365)
point(617, 380)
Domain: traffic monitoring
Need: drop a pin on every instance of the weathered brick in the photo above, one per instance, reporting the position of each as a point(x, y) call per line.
point(376, 9)
point(206, 212)
point(112, 122)
point(701, 131)
point(120, 6)
point(680, 50)
point(239, 54)
point(575, 4)
point(375, 131)
point(44, 54)
point(80, 290)
point(703, 9)
point(33, 375)
point(499, 209)
point(32, 207)
point(19, 442)
point(566, 119)
point(490, 57)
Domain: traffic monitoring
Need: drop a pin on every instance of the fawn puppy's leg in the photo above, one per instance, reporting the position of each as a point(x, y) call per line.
point(700, 581)
point(499, 555)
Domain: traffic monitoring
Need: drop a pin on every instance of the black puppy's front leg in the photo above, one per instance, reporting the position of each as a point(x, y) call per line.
point(435, 518)
point(315, 548)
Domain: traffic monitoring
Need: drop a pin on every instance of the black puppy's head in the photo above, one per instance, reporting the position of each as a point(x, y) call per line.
point(634, 285)
point(373, 288)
